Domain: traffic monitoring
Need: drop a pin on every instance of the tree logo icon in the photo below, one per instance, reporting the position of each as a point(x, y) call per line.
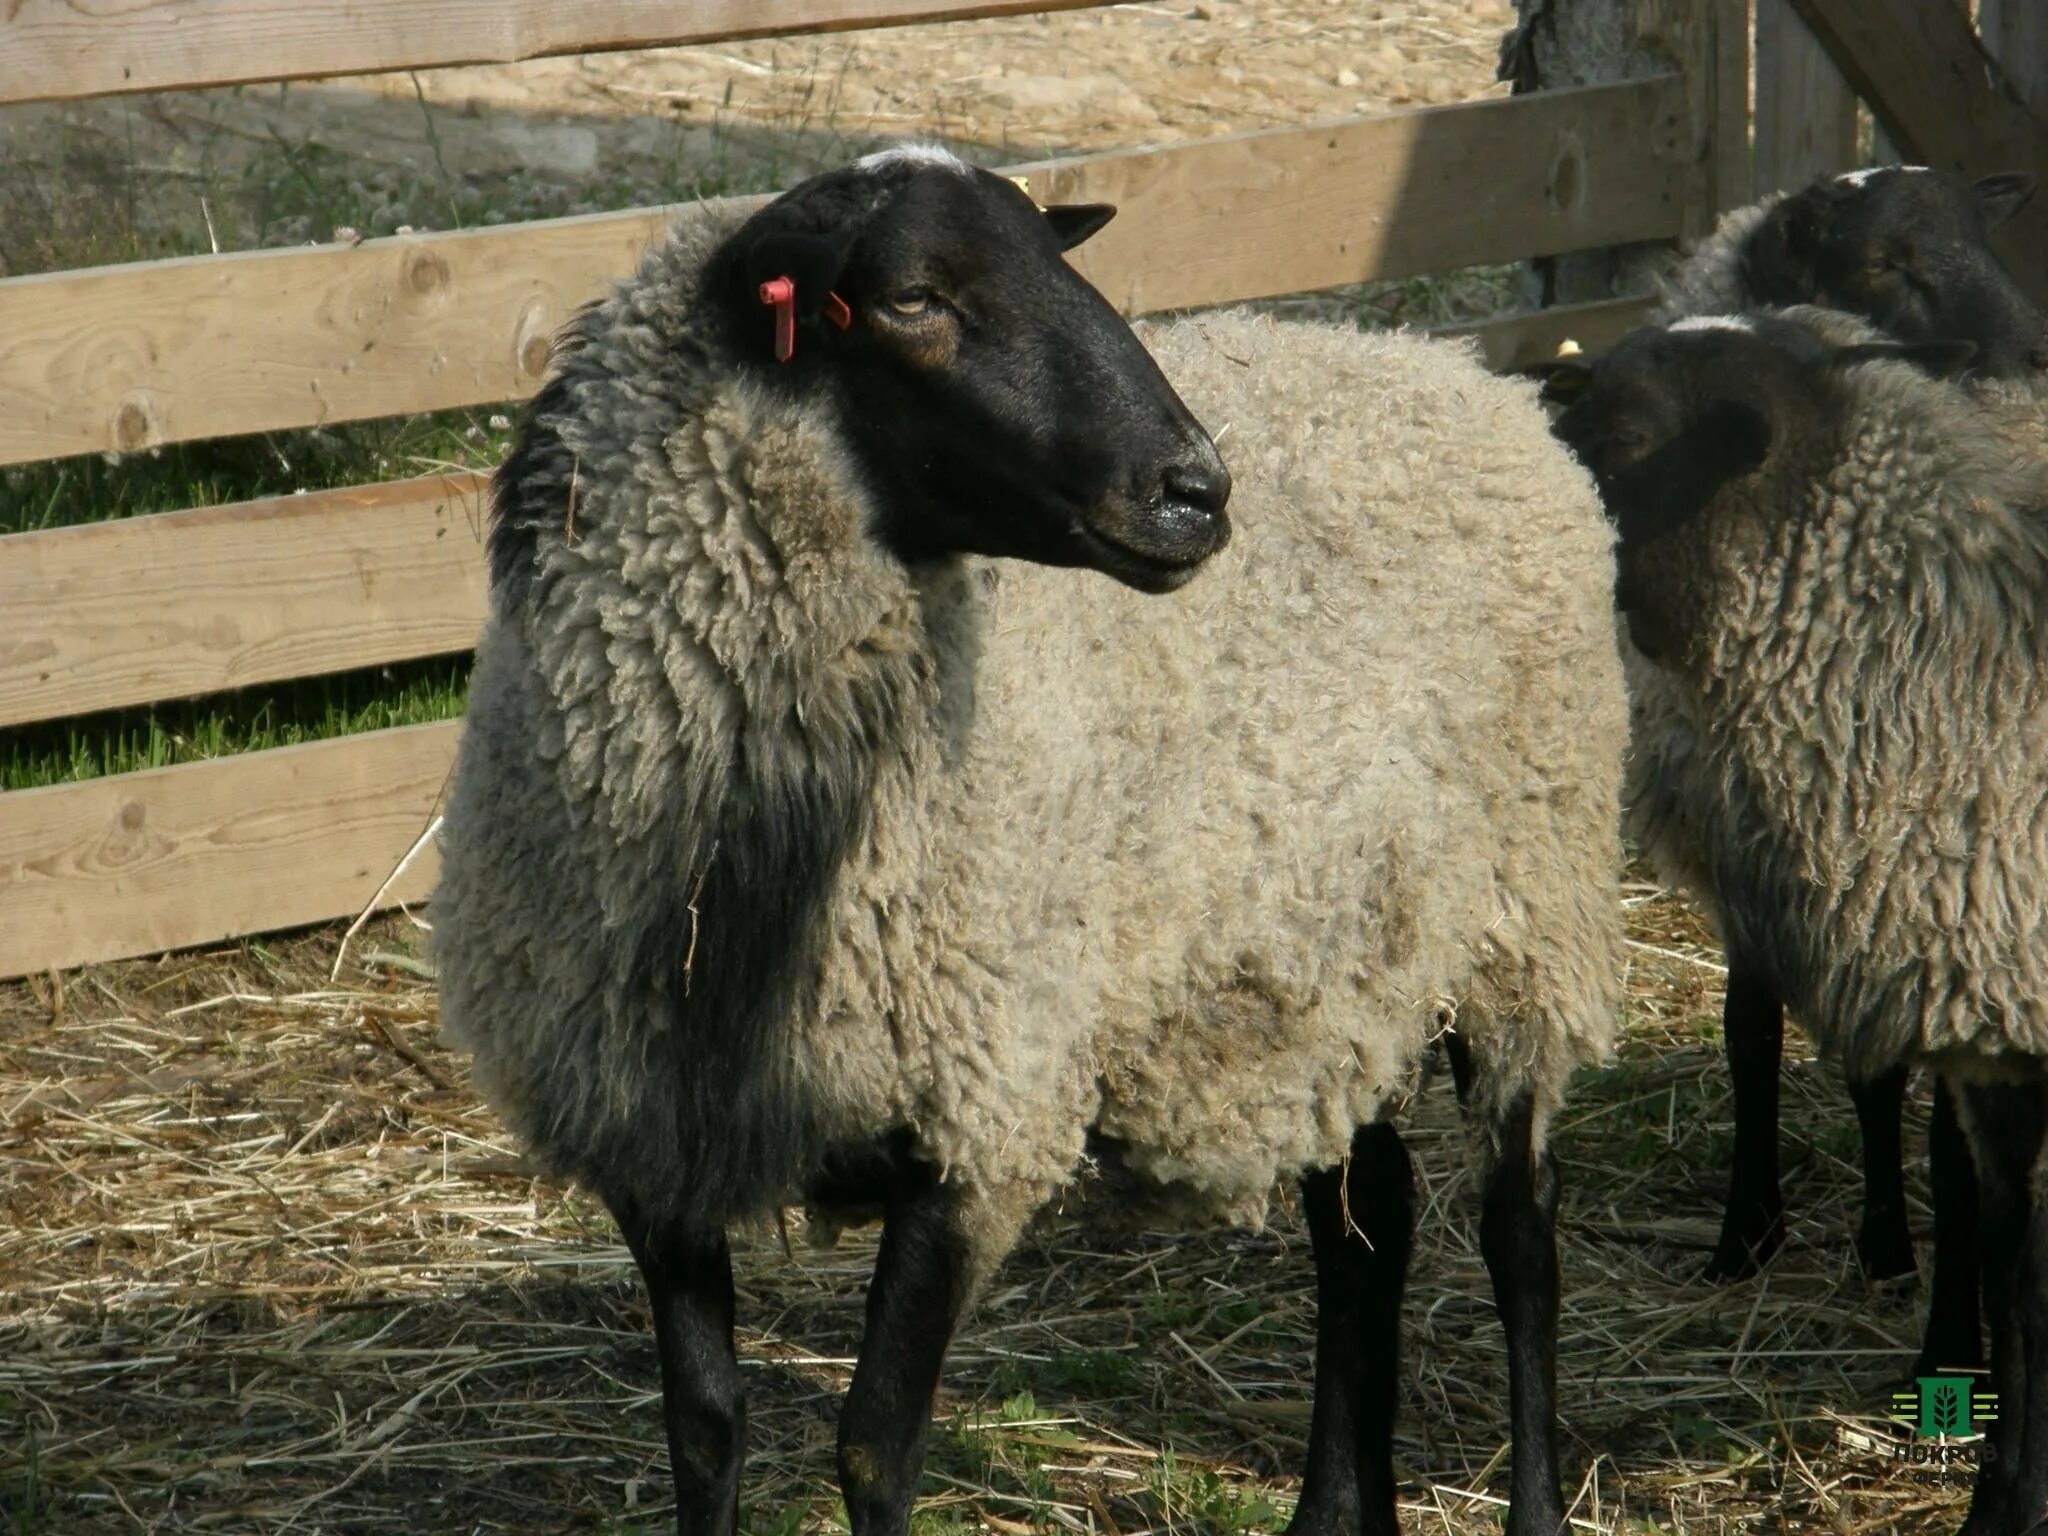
point(1945, 1407)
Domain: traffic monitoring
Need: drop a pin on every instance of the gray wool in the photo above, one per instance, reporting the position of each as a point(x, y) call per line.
point(1857, 733)
point(1709, 281)
point(1203, 874)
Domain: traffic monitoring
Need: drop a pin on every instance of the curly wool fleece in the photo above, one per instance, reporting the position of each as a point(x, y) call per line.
point(1859, 734)
point(1201, 873)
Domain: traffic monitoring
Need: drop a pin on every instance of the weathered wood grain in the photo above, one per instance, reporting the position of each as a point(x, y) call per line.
point(144, 862)
point(184, 603)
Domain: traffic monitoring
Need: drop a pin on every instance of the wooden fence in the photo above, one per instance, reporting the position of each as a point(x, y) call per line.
point(185, 603)
point(1940, 90)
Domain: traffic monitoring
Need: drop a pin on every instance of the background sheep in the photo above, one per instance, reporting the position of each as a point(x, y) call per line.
point(1843, 570)
point(1904, 248)
point(794, 852)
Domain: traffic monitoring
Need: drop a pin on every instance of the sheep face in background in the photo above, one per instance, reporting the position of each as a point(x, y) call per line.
point(995, 402)
point(1906, 247)
point(1671, 418)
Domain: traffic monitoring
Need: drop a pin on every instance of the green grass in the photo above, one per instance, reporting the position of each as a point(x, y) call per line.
point(100, 488)
point(122, 741)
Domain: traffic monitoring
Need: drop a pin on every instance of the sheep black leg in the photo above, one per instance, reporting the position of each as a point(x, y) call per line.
point(1753, 1028)
point(922, 1279)
point(703, 1403)
point(1361, 1266)
point(2006, 1123)
point(1884, 1243)
point(1955, 1328)
point(1518, 1237)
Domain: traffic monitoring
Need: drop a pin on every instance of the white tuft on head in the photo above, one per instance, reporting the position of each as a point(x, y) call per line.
point(1862, 178)
point(912, 154)
point(1716, 323)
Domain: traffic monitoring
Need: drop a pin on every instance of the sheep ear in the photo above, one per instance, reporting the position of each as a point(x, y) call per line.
point(1736, 438)
point(2001, 196)
point(1936, 359)
point(1564, 380)
point(1779, 260)
point(812, 259)
point(1074, 222)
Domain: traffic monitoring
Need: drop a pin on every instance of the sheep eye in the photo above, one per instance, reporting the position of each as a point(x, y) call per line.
point(911, 301)
point(1878, 266)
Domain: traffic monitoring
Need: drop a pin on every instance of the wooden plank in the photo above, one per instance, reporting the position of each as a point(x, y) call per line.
point(2016, 33)
point(125, 358)
point(1378, 197)
point(59, 49)
point(1734, 174)
point(1518, 341)
point(1805, 111)
point(145, 862)
point(1944, 101)
point(186, 603)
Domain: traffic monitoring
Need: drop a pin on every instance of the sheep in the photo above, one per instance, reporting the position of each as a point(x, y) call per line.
point(1903, 247)
point(799, 849)
point(1841, 567)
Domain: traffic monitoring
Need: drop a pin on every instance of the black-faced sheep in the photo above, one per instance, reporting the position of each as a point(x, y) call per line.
point(798, 850)
point(1904, 248)
point(1842, 568)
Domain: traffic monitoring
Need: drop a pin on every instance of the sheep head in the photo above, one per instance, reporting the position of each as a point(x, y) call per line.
point(1703, 437)
point(994, 402)
point(1907, 248)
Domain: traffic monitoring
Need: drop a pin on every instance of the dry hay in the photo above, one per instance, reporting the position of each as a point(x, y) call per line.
point(269, 1266)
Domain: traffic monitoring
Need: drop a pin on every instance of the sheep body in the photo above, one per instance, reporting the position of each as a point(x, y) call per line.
point(1202, 873)
point(1865, 721)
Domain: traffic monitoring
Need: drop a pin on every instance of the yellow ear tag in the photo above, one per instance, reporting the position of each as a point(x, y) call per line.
point(1023, 184)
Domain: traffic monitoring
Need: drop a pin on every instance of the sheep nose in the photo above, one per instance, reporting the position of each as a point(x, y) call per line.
point(1203, 486)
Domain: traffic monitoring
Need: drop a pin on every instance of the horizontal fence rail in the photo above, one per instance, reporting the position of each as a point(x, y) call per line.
point(172, 857)
point(52, 50)
point(125, 358)
point(183, 603)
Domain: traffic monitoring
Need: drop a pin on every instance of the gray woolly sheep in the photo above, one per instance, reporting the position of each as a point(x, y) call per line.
point(796, 849)
point(1842, 569)
point(1904, 248)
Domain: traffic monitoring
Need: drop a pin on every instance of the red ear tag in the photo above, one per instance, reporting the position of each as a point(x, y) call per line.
point(838, 311)
point(780, 294)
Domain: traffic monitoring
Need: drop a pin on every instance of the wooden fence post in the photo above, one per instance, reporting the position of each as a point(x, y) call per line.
point(2015, 33)
point(1559, 43)
point(1805, 111)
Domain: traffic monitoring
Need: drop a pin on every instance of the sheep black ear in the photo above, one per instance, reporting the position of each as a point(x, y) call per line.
point(1936, 359)
point(1074, 222)
point(1735, 438)
point(1564, 380)
point(1780, 260)
point(812, 259)
point(2001, 196)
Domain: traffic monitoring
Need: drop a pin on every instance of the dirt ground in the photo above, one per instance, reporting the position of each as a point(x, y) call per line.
point(268, 1265)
